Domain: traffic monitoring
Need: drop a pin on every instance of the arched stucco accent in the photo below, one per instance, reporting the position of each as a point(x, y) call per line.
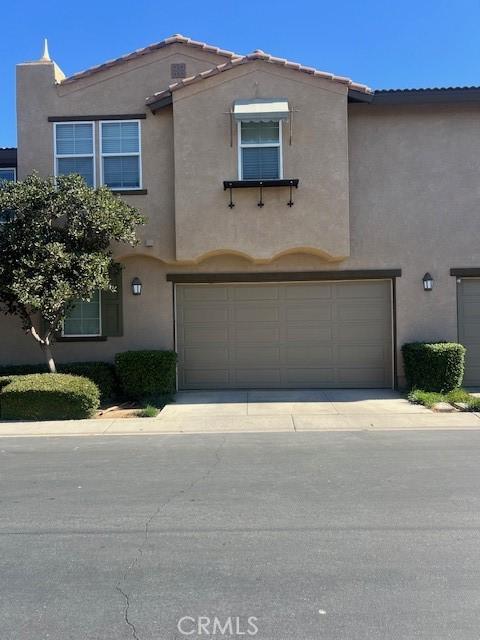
point(311, 251)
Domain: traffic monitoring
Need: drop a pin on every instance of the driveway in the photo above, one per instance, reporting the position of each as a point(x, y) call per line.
point(290, 402)
point(335, 536)
point(302, 410)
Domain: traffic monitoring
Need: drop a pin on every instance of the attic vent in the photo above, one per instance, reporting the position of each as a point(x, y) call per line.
point(178, 70)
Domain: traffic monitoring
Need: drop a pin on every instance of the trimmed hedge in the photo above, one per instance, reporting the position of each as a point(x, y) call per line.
point(101, 373)
point(436, 366)
point(49, 396)
point(146, 373)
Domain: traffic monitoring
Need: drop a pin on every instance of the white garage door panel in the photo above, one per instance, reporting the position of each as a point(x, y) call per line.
point(290, 335)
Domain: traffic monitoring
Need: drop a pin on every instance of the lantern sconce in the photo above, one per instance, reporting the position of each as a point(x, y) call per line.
point(427, 282)
point(136, 286)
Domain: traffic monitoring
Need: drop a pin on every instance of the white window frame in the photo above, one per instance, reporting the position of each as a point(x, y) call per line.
point(14, 169)
point(87, 335)
point(74, 155)
point(241, 146)
point(107, 155)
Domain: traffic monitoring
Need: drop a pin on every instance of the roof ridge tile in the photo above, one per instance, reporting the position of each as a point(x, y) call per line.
point(176, 38)
point(252, 57)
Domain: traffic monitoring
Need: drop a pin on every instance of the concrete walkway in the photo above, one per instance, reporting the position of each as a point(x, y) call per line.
point(263, 411)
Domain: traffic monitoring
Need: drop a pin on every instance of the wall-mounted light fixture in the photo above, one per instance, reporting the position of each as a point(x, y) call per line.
point(427, 282)
point(136, 286)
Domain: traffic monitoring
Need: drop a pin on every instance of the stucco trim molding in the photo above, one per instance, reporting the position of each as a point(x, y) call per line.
point(285, 276)
point(466, 272)
point(118, 116)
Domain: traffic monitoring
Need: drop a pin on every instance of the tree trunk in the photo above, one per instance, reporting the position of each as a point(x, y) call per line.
point(44, 346)
point(49, 357)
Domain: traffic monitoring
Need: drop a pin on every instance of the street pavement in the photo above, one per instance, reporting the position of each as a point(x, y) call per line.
point(277, 536)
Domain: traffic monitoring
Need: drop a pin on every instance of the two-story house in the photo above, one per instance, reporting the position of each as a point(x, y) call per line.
point(292, 214)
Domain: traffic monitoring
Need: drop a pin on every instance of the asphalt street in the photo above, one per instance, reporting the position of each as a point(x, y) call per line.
point(336, 536)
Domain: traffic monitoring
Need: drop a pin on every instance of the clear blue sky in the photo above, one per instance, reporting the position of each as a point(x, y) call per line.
point(383, 43)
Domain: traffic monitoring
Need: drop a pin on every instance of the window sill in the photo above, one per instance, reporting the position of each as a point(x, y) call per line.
point(81, 339)
point(130, 192)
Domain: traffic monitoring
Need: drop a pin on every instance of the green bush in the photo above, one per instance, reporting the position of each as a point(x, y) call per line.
point(146, 373)
point(101, 373)
point(436, 366)
point(49, 396)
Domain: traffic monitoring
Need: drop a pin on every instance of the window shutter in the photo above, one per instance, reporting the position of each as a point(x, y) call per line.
point(112, 312)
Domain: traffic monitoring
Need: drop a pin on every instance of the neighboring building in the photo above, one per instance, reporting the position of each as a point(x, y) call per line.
point(292, 214)
point(8, 163)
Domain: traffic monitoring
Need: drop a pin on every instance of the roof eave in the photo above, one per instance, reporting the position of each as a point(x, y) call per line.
point(427, 96)
point(160, 103)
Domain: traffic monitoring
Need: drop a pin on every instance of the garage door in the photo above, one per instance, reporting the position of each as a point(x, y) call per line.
point(289, 335)
point(469, 327)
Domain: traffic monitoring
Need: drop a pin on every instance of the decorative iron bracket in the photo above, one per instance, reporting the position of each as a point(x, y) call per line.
point(261, 184)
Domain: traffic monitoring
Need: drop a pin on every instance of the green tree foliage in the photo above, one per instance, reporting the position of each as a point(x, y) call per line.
point(55, 247)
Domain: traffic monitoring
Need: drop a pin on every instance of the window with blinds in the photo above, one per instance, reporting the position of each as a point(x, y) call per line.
point(120, 151)
point(74, 150)
point(9, 175)
point(260, 150)
point(84, 318)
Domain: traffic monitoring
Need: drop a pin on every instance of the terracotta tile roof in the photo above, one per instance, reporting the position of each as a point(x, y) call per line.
point(175, 39)
point(256, 55)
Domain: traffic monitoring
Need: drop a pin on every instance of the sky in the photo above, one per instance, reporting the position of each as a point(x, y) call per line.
point(382, 43)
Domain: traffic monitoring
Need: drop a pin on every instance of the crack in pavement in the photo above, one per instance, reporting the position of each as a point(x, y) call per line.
point(148, 523)
point(125, 612)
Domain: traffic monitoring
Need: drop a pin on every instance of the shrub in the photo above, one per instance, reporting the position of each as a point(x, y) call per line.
point(101, 373)
point(146, 373)
point(436, 366)
point(49, 396)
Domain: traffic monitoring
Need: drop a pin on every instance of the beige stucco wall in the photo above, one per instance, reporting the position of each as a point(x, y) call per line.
point(118, 90)
point(409, 199)
point(204, 158)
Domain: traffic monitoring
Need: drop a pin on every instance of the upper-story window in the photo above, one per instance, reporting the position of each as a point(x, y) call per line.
point(119, 158)
point(75, 150)
point(120, 152)
point(8, 173)
point(259, 134)
point(260, 150)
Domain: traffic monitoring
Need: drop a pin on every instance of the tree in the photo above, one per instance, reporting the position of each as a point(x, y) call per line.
point(55, 248)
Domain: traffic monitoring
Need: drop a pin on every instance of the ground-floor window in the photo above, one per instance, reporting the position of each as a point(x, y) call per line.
point(84, 318)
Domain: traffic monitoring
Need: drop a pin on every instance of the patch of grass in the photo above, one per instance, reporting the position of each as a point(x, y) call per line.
point(427, 398)
point(473, 404)
point(148, 412)
point(458, 395)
